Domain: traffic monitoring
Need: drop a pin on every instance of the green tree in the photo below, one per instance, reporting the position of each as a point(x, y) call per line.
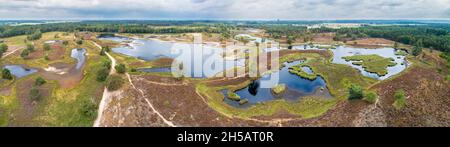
point(416, 51)
point(114, 82)
point(6, 74)
point(46, 47)
point(79, 42)
point(356, 92)
point(396, 46)
point(371, 97)
point(120, 68)
point(25, 53)
point(88, 108)
point(30, 48)
point(40, 81)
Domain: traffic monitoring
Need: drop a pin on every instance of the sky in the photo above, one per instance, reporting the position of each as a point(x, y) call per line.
point(224, 9)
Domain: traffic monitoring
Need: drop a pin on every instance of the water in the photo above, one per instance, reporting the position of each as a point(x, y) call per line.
point(19, 71)
point(150, 49)
point(344, 51)
point(79, 54)
point(296, 87)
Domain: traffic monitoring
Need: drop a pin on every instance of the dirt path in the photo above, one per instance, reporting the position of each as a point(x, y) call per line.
point(107, 95)
point(12, 52)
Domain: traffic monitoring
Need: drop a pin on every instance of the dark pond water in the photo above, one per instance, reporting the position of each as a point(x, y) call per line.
point(158, 70)
point(19, 71)
point(297, 87)
point(79, 54)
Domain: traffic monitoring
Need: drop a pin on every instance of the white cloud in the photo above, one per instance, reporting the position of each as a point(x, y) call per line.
point(224, 9)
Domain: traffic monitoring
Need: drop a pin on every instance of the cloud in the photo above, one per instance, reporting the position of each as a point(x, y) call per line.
point(224, 9)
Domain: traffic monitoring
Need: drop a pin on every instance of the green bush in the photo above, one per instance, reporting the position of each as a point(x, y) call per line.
point(371, 97)
point(88, 108)
point(107, 64)
point(30, 48)
point(400, 99)
point(46, 47)
point(35, 94)
point(102, 74)
point(6, 74)
point(39, 81)
point(114, 82)
point(356, 92)
point(121, 68)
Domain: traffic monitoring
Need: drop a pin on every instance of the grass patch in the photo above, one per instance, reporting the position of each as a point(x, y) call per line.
point(371, 97)
point(372, 63)
point(400, 99)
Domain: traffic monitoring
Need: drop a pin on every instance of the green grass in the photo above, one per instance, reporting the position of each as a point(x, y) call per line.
point(233, 96)
point(372, 63)
point(278, 89)
point(400, 99)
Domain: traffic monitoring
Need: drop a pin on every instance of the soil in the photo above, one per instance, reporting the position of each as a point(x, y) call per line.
point(68, 80)
point(371, 43)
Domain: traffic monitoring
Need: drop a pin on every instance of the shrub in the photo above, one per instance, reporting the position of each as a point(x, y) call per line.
point(25, 53)
point(121, 68)
point(102, 74)
point(46, 57)
point(79, 42)
point(6, 74)
point(400, 99)
point(35, 94)
point(371, 97)
point(30, 48)
point(356, 92)
point(46, 47)
point(88, 108)
point(39, 81)
point(233, 96)
point(133, 70)
point(114, 83)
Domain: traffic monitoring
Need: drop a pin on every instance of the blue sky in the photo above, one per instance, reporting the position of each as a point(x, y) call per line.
point(225, 9)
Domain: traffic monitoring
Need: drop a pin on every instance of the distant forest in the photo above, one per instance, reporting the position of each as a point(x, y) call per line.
point(433, 35)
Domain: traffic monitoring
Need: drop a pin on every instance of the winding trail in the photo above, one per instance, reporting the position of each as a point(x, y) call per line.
point(107, 95)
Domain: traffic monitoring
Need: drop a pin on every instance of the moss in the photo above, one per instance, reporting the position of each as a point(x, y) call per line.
point(233, 96)
point(400, 99)
point(278, 89)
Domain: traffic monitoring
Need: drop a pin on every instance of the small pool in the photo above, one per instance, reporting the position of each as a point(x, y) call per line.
point(19, 71)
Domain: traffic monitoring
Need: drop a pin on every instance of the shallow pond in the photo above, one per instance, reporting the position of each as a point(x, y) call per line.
point(79, 54)
point(296, 87)
point(151, 49)
point(344, 51)
point(19, 71)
